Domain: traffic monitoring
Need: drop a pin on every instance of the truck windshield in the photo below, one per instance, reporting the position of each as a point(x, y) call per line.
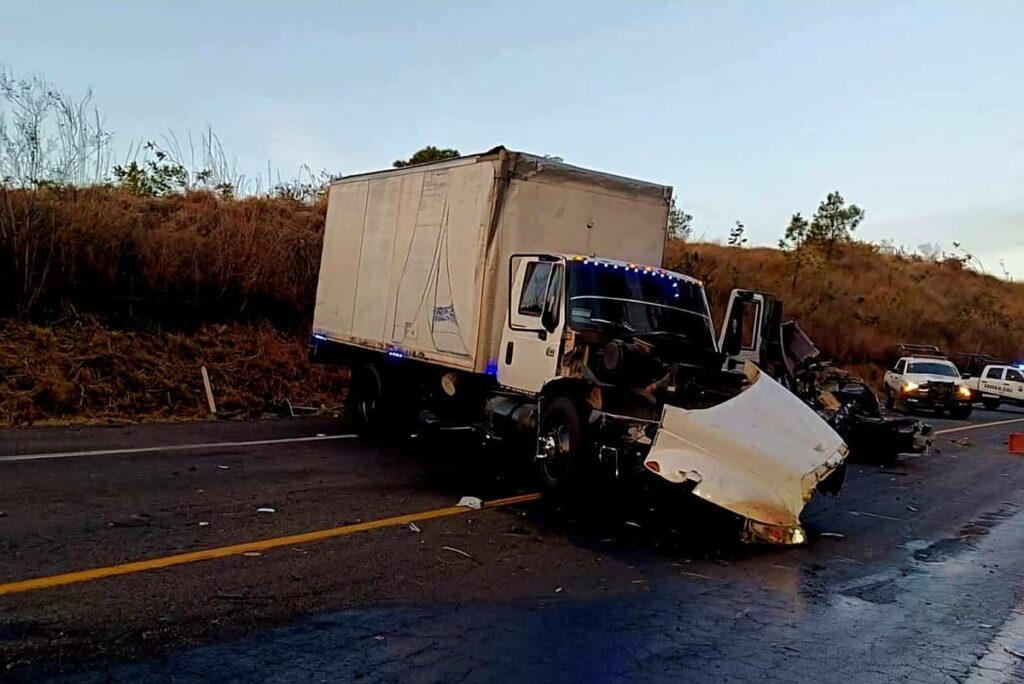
point(632, 303)
point(933, 368)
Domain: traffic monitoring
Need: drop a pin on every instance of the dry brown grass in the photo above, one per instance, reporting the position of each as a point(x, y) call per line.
point(83, 370)
point(859, 305)
point(176, 259)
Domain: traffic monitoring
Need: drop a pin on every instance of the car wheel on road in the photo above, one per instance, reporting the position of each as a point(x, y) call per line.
point(991, 403)
point(560, 453)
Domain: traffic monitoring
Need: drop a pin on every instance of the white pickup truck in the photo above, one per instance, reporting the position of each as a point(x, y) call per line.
point(927, 382)
point(997, 384)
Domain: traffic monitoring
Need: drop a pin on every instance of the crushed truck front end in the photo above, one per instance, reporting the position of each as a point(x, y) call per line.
point(761, 455)
point(658, 401)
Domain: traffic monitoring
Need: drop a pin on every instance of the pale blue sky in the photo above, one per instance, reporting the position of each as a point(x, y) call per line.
point(752, 110)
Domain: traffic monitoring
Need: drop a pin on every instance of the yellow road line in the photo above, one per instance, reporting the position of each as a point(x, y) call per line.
point(236, 549)
point(979, 426)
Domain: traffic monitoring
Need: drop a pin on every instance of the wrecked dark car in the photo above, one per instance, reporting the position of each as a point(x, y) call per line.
point(845, 401)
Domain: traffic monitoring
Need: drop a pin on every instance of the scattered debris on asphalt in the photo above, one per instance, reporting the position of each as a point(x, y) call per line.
point(962, 441)
point(912, 509)
point(240, 597)
point(224, 467)
point(136, 520)
point(1013, 652)
point(380, 637)
point(558, 590)
point(697, 574)
point(471, 502)
point(203, 523)
point(414, 527)
point(875, 515)
point(630, 523)
point(784, 647)
point(459, 551)
point(834, 535)
point(265, 510)
point(252, 554)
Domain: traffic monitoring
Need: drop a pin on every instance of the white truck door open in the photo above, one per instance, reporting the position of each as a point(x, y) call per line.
point(741, 336)
point(532, 336)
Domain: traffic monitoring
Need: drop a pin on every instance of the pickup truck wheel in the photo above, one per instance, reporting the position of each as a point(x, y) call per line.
point(560, 452)
point(991, 403)
point(961, 412)
point(890, 402)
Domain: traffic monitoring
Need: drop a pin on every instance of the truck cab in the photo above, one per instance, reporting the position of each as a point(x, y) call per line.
point(561, 303)
point(996, 384)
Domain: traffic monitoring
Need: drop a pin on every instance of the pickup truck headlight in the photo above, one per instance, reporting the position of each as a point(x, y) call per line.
point(963, 391)
point(909, 387)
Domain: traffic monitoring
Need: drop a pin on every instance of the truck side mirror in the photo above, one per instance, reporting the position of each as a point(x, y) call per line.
point(731, 346)
point(547, 319)
point(550, 317)
point(733, 335)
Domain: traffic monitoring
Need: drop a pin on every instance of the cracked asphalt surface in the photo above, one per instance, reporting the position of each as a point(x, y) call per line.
point(914, 574)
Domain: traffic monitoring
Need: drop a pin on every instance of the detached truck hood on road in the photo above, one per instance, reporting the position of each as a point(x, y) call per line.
point(760, 455)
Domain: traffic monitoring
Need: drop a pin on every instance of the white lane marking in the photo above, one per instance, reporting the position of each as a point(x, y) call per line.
point(171, 447)
point(978, 426)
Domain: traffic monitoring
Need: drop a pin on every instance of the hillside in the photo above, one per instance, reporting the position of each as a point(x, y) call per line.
point(862, 302)
point(110, 302)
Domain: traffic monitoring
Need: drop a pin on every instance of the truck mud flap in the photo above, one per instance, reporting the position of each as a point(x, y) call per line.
point(761, 455)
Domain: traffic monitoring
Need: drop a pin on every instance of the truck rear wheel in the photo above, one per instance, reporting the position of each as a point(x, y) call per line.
point(991, 403)
point(365, 402)
point(561, 449)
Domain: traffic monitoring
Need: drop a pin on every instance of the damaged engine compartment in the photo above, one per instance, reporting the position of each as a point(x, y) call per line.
point(847, 403)
point(738, 440)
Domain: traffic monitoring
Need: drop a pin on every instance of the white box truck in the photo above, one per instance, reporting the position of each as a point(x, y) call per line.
point(525, 297)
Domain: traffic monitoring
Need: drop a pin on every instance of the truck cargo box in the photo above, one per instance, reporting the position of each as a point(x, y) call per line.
point(415, 260)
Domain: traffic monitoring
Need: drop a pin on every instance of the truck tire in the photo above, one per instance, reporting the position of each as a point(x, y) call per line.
point(365, 402)
point(961, 412)
point(562, 447)
point(890, 401)
point(991, 403)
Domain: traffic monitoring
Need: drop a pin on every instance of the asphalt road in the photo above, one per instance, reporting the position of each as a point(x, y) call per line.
point(915, 573)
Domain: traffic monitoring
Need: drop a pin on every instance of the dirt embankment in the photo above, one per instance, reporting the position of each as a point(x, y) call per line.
point(85, 371)
point(860, 303)
point(110, 303)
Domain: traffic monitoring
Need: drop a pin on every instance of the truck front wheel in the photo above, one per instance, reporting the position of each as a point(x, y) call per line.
point(561, 450)
point(991, 403)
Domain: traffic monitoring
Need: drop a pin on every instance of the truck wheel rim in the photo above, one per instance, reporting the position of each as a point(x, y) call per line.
point(556, 451)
